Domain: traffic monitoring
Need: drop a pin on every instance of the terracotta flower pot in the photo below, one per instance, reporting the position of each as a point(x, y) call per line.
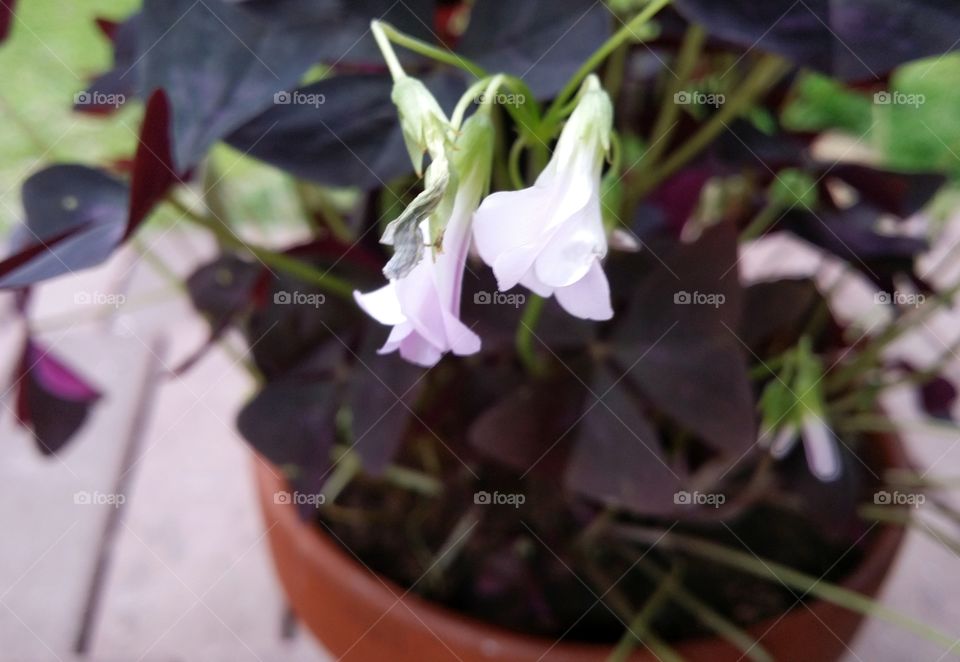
point(359, 615)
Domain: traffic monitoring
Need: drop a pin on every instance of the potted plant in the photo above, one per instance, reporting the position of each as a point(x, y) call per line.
point(518, 397)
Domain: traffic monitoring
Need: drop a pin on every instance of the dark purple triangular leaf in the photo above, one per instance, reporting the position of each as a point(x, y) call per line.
point(850, 39)
point(541, 41)
point(75, 216)
point(533, 427)
point(115, 87)
point(677, 341)
point(342, 131)
point(53, 400)
point(153, 168)
point(618, 458)
point(382, 393)
point(291, 421)
point(776, 307)
point(223, 63)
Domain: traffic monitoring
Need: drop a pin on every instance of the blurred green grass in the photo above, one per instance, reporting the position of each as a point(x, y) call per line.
point(53, 49)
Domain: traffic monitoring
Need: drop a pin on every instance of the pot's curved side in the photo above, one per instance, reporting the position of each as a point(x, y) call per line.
point(361, 616)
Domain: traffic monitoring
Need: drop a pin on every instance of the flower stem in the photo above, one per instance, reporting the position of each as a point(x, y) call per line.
point(667, 117)
point(525, 334)
point(430, 51)
point(596, 59)
point(760, 79)
point(386, 48)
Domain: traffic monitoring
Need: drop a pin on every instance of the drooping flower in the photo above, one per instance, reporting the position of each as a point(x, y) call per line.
point(550, 237)
point(823, 457)
point(793, 409)
point(422, 303)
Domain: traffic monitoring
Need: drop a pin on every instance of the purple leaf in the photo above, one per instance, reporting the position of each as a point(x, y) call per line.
point(381, 394)
point(6, 17)
point(850, 39)
point(541, 41)
point(677, 339)
point(618, 459)
point(53, 400)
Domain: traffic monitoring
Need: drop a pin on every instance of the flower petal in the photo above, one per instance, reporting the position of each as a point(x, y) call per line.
point(382, 305)
point(573, 245)
point(589, 297)
point(823, 457)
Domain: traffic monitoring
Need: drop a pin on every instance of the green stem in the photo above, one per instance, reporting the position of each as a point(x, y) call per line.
point(796, 580)
point(390, 57)
point(639, 630)
point(292, 266)
point(762, 221)
point(708, 616)
point(760, 79)
point(527, 115)
point(525, 334)
point(431, 51)
point(596, 59)
point(667, 118)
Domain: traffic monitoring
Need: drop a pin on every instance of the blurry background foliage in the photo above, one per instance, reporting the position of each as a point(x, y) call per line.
point(56, 47)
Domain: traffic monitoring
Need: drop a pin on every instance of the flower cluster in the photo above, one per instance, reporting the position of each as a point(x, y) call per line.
point(549, 238)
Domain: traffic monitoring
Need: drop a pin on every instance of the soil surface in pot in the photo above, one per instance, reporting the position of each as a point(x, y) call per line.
point(538, 567)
